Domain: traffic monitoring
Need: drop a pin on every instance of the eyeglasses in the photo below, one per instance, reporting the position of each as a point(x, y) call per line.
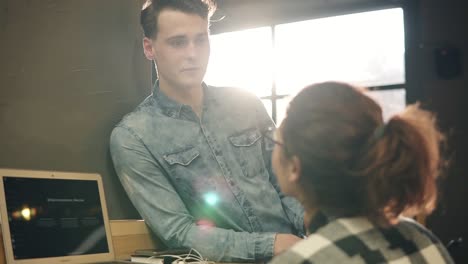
point(269, 133)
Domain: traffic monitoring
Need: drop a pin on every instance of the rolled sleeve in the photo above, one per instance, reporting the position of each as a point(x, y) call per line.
point(264, 246)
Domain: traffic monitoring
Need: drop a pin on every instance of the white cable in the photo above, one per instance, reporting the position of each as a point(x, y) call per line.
point(194, 258)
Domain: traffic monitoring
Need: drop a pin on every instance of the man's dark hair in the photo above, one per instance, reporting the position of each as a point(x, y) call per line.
point(152, 8)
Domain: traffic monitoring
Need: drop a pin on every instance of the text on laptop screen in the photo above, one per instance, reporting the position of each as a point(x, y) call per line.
point(54, 217)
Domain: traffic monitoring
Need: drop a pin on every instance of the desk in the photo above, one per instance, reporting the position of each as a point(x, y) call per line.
point(130, 235)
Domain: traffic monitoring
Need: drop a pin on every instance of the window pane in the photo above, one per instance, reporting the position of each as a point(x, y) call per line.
point(363, 48)
point(242, 59)
point(281, 107)
point(268, 107)
point(392, 101)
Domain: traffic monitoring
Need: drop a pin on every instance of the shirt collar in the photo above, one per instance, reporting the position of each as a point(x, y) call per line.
point(172, 108)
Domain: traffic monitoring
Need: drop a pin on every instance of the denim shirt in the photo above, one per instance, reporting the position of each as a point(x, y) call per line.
point(205, 183)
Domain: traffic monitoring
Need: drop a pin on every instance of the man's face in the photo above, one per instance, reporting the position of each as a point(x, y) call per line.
point(181, 49)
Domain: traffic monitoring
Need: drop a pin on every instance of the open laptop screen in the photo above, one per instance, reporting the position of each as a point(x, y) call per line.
point(54, 217)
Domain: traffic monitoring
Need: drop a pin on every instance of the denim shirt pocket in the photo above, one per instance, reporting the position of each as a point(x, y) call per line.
point(184, 173)
point(184, 157)
point(248, 151)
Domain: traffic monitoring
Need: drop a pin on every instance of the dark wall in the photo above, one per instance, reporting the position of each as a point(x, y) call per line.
point(69, 71)
point(443, 24)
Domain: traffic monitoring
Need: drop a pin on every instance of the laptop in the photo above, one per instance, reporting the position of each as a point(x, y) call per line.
point(54, 217)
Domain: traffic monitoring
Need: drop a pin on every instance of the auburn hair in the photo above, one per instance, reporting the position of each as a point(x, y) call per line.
point(353, 162)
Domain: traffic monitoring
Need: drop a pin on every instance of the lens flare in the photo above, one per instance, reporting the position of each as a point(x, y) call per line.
point(211, 198)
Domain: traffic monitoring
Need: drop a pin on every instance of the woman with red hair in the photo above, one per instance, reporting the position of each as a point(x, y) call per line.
point(357, 176)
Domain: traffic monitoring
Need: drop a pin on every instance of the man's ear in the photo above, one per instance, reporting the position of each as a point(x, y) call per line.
point(295, 169)
point(148, 48)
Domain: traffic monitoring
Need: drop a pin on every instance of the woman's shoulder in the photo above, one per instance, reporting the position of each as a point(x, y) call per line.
point(410, 226)
point(428, 244)
point(357, 239)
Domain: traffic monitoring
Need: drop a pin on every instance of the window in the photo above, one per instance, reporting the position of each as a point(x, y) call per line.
point(242, 59)
point(365, 49)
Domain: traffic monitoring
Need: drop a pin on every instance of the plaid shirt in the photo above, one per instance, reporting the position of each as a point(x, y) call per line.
point(357, 240)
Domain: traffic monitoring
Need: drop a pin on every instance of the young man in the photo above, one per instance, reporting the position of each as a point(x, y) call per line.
point(192, 157)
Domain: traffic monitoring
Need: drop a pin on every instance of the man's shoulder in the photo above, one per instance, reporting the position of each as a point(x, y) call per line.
point(140, 115)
